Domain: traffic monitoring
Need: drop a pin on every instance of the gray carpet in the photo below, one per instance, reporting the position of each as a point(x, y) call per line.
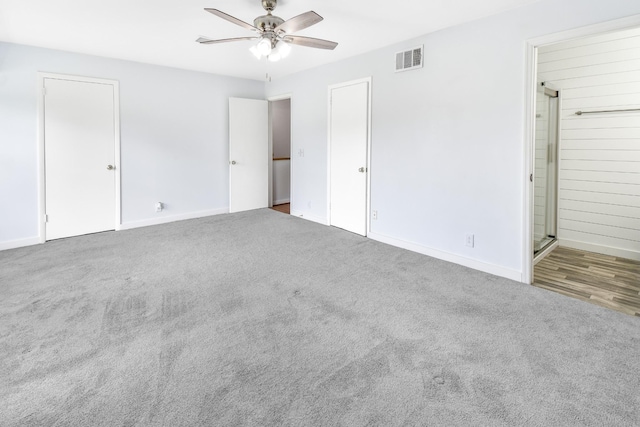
point(263, 319)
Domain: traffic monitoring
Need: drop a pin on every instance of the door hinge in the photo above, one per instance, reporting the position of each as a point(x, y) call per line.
point(44, 91)
point(46, 218)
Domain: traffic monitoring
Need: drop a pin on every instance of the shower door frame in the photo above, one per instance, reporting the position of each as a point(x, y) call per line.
point(551, 188)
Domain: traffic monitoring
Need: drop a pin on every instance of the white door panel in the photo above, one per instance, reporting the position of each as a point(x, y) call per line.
point(349, 128)
point(248, 154)
point(79, 135)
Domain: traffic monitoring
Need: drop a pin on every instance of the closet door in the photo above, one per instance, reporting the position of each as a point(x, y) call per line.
point(349, 136)
point(79, 145)
point(248, 154)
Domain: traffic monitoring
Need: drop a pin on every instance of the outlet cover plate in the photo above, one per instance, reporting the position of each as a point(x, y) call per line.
point(470, 240)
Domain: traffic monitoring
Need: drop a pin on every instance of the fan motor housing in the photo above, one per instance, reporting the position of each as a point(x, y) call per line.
point(267, 22)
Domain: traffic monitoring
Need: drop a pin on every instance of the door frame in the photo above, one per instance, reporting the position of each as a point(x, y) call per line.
point(41, 148)
point(531, 47)
point(288, 96)
point(368, 80)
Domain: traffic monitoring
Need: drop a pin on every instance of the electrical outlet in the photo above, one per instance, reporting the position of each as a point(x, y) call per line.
point(301, 152)
point(159, 207)
point(469, 240)
point(374, 214)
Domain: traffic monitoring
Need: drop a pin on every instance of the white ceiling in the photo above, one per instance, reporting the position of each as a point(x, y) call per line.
point(163, 32)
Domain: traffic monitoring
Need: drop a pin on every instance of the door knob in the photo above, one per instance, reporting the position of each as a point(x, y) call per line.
point(361, 170)
point(110, 167)
point(233, 162)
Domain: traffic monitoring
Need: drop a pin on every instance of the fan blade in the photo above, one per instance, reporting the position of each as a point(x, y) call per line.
point(203, 40)
point(299, 22)
point(311, 42)
point(232, 19)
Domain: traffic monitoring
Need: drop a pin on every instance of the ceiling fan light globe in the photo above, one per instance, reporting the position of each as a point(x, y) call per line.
point(264, 47)
point(255, 52)
point(284, 49)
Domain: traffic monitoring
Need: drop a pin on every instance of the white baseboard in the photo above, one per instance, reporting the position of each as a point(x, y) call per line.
point(13, 244)
point(306, 215)
point(172, 218)
point(446, 256)
point(281, 202)
point(606, 250)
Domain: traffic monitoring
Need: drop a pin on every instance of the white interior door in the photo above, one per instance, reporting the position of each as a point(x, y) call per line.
point(348, 136)
point(79, 153)
point(248, 154)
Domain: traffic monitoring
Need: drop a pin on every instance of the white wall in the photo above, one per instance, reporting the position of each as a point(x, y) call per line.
point(281, 127)
point(447, 140)
point(599, 171)
point(281, 181)
point(174, 137)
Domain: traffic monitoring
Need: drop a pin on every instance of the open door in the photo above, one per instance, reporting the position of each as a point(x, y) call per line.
point(248, 154)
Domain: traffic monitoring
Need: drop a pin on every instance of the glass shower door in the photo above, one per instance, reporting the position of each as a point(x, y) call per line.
point(545, 171)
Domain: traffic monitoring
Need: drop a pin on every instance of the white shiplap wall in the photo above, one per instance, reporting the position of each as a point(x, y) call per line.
point(599, 158)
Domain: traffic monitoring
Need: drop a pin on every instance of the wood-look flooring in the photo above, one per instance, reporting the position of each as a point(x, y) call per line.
point(605, 280)
point(284, 208)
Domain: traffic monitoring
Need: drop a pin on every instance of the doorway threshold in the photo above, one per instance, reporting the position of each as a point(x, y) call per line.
point(284, 208)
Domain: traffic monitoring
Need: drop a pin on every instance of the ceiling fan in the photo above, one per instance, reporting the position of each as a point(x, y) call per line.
point(273, 32)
